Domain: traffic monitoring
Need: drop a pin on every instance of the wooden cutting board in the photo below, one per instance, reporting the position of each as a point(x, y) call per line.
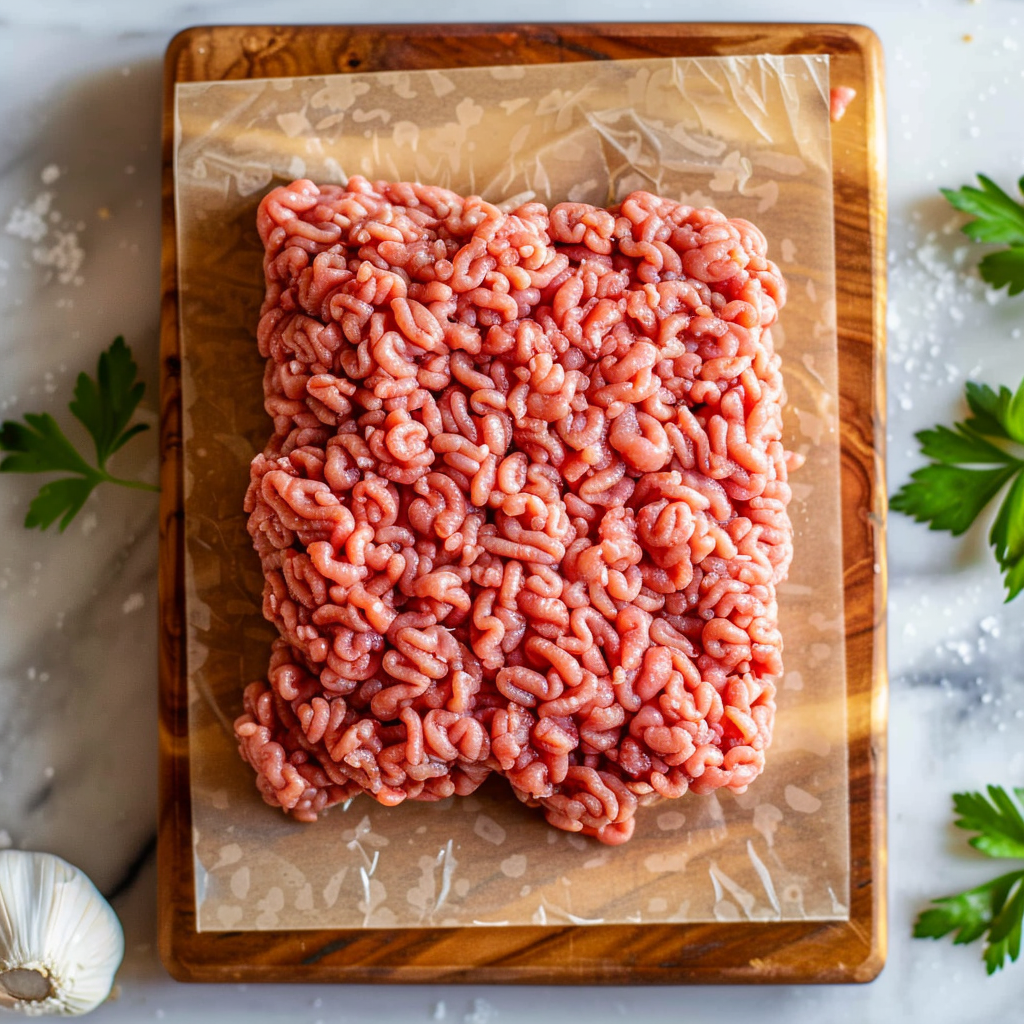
point(812, 951)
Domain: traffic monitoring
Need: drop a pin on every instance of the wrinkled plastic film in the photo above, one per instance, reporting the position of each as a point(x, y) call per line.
point(749, 135)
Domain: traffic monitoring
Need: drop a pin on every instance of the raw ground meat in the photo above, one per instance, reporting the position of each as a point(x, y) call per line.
point(524, 508)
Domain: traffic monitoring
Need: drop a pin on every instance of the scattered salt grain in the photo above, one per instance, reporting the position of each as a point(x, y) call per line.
point(482, 1013)
point(50, 173)
point(440, 1010)
point(961, 648)
point(133, 603)
point(65, 256)
point(57, 247)
point(28, 221)
point(49, 772)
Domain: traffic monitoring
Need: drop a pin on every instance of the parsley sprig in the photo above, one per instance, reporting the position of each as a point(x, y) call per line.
point(974, 460)
point(994, 910)
point(998, 219)
point(104, 406)
point(971, 463)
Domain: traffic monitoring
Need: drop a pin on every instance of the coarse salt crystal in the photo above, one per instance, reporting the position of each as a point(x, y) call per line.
point(482, 1012)
point(28, 221)
point(65, 257)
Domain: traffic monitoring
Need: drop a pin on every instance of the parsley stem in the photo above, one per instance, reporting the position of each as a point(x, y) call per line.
point(137, 485)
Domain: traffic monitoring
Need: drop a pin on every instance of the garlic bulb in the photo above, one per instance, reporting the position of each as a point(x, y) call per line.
point(60, 941)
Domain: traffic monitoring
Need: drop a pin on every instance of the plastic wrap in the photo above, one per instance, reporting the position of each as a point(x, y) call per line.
point(749, 135)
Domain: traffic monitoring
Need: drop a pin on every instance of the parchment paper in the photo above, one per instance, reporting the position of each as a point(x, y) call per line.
point(749, 135)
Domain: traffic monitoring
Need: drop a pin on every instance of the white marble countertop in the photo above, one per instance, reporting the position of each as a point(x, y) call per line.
point(79, 196)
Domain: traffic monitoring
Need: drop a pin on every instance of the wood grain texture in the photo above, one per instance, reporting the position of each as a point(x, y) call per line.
point(606, 954)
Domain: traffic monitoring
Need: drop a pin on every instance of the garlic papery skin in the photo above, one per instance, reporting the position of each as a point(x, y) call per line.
point(60, 941)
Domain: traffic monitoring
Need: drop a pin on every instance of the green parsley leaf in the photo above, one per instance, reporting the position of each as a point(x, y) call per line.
point(1005, 933)
point(38, 446)
point(970, 914)
point(968, 468)
point(950, 497)
point(996, 818)
point(60, 499)
point(995, 909)
point(998, 217)
point(1007, 538)
point(974, 913)
point(1013, 418)
point(952, 447)
point(1004, 268)
point(989, 410)
point(104, 406)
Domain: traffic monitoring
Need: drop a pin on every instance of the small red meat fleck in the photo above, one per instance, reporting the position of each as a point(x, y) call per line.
point(839, 99)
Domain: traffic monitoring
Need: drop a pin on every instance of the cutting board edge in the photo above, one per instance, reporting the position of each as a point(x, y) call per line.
point(193, 956)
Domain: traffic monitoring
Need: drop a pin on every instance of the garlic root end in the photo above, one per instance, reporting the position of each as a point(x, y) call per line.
point(26, 984)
